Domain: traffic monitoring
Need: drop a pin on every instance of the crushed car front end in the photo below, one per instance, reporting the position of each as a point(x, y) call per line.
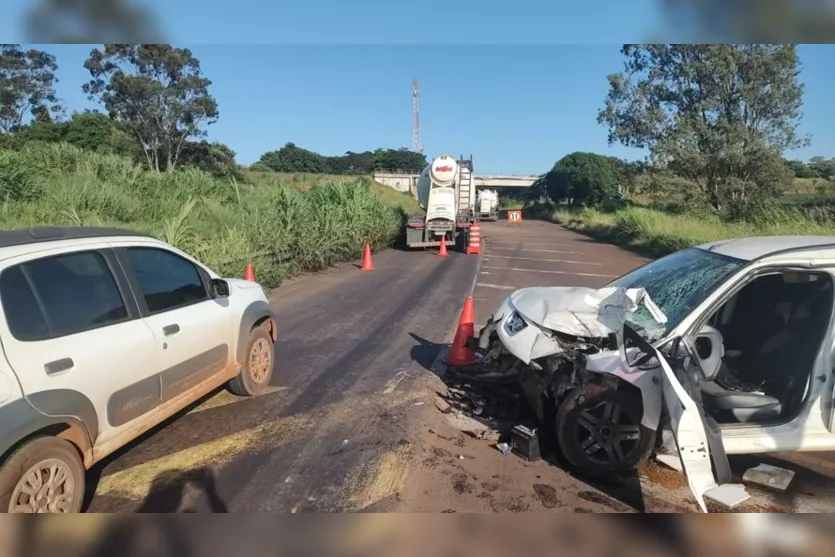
point(564, 345)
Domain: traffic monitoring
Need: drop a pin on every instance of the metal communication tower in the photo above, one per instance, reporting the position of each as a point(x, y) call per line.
point(416, 146)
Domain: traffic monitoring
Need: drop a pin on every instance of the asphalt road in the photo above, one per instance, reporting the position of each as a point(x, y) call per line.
point(347, 338)
point(351, 424)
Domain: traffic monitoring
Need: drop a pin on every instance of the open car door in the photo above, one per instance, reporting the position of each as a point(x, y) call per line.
point(697, 436)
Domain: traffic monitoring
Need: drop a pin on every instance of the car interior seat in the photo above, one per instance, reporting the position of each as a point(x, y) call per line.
point(745, 406)
point(784, 359)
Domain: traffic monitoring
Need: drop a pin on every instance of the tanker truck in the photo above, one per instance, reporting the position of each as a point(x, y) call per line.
point(445, 191)
point(487, 203)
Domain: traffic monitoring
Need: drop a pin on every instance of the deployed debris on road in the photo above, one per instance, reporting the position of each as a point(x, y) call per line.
point(525, 443)
point(670, 461)
point(769, 476)
point(729, 495)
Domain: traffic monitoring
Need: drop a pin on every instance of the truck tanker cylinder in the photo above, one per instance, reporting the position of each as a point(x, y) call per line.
point(487, 202)
point(442, 186)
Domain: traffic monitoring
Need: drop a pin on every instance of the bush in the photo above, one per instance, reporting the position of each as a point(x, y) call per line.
point(655, 233)
point(227, 224)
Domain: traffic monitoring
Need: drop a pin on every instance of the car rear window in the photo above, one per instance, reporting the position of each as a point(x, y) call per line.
point(59, 296)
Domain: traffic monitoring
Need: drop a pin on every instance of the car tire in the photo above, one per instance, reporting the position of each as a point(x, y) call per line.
point(592, 447)
point(43, 460)
point(257, 369)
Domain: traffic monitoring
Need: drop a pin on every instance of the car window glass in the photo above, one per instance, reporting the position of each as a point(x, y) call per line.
point(167, 281)
point(77, 292)
point(676, 283)
point(23, 314)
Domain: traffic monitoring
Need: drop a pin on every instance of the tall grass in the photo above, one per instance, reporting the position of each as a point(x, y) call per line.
point(281, 229)
point(656, 233)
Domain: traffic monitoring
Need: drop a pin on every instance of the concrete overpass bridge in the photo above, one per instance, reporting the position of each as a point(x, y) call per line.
point(408, 182)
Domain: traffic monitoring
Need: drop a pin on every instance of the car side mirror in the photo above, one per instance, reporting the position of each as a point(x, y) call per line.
point(220, 288)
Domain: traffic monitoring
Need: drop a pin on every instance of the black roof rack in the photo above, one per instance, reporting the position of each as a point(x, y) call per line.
point(24, 236)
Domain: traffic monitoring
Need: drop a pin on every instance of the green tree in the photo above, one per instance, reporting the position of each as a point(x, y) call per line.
point(822, 167)
point(583, 179)
point(156, 92)
point(399, 160)
point(291, 158)
point(215, 158)
point(88, 130)
point(718, 115)
point(27, 87)
point(800, 169)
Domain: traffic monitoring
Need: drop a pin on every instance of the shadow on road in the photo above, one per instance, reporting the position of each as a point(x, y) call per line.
point(426, 352)
point(176, 491)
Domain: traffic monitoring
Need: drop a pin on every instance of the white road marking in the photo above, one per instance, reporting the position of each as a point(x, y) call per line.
point(542, 250)
point(551, 272)
point(497, 286)
point(549, 244)
point(547, 260)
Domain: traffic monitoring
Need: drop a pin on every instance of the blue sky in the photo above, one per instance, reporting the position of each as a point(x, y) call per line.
point(516, 108)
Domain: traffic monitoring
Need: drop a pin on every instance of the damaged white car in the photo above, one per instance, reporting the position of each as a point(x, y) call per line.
point(727, 345)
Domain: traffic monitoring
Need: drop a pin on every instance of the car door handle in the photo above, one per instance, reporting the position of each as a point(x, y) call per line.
point(59, 366)
point(169, 330)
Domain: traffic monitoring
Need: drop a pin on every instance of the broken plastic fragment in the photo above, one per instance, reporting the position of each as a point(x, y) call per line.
point(769, 476)
point(504, 448)
point(729, 495)
point(639, 296)
point(670, 460)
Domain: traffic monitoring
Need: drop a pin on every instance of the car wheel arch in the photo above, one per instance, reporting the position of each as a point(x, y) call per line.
point(256, 314)
point(68, 430)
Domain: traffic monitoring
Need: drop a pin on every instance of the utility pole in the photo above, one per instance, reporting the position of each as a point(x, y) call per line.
point(416, 145)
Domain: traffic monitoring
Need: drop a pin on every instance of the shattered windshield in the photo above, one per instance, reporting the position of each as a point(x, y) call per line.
point(676, 283)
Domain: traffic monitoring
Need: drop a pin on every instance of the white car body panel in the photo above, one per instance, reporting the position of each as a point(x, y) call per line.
point(647, 380)
point(689, 433)
point(582, 311)
point(97, 374)
point(118, 371)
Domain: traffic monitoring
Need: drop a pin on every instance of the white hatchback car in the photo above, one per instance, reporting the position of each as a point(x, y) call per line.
point(106, 333)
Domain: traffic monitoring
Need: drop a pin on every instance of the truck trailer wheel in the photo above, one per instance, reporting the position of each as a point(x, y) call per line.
point(599, 430)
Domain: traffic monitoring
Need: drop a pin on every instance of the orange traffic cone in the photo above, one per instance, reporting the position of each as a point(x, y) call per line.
point(442, 252)
point(459, 353)
point(249, 274)
point(367, 265)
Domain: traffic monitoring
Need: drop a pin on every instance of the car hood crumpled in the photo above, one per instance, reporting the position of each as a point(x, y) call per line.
point(581, 311)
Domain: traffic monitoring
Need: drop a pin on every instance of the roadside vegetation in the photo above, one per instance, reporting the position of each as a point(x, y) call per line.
point(283, 231)
point(144, 164)
point(716, 121)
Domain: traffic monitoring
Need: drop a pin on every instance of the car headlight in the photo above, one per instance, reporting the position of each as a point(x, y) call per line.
point(514, 324)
